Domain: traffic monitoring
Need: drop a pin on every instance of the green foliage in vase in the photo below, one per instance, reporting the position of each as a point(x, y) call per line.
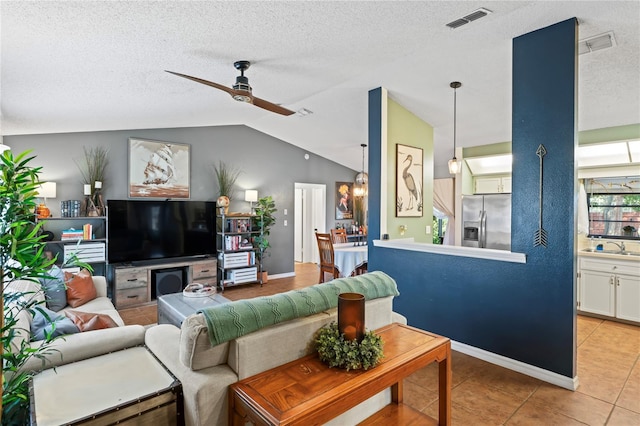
point(94, 165)
point(336, 351)
point(226, 176)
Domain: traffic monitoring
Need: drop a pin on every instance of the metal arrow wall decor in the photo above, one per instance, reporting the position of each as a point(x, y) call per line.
point(540, 236)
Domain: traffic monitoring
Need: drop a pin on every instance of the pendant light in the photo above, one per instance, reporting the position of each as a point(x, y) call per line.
point(454, 164)
point(362, 178)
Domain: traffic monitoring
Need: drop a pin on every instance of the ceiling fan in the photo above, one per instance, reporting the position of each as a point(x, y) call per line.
point(241, 91)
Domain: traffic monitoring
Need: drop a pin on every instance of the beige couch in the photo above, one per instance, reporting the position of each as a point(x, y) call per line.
point(206, 372)
point(75, 347)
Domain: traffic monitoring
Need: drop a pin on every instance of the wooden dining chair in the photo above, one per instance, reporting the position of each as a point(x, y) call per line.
point(362, 269)
point(339, 236)
point(325, 249)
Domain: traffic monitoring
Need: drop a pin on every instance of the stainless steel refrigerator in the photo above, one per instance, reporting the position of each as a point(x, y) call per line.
point(486, 221)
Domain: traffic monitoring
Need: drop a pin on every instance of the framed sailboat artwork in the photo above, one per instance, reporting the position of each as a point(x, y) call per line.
point(159, 169)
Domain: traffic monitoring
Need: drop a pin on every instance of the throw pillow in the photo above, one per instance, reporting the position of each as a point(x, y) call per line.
point(80, 288)
point(46, 322)
point(87, 321)
point(54, 290)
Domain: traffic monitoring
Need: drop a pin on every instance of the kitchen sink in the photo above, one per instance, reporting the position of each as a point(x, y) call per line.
point(626, 253)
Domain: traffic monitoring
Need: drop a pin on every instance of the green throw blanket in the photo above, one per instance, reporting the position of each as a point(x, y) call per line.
point(234, 319)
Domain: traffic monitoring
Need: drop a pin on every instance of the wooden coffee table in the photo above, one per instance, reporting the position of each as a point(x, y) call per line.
point(307, 391)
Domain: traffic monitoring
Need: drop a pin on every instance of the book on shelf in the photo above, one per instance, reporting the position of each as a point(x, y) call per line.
point(238, 225)
point(237, 242)
point(87, 231)
point(72, 234)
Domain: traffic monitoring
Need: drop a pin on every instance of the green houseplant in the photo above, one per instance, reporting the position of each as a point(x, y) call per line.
point(21, 257)
point(264, 219)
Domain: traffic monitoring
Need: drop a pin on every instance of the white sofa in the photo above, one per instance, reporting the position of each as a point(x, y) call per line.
point(75, 347)
point(206, 372)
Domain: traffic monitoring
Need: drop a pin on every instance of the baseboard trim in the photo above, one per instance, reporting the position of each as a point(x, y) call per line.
point(283, 275)
point(511, 364)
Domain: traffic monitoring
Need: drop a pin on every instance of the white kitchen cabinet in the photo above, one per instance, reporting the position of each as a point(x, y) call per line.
point(492, 185)
point(628, 297)
point(610, 287)
point(597, 293)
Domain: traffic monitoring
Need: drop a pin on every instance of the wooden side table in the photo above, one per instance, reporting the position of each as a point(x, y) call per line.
point(307, 391)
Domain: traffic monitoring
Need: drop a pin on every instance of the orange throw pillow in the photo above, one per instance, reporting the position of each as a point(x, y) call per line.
point(87, 321)
point(80, 288)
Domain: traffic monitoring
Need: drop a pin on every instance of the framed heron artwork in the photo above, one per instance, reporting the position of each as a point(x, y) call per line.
point(409, 181)
point(159, 169)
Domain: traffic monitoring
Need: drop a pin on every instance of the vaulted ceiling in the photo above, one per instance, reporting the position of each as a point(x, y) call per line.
point(70, 66)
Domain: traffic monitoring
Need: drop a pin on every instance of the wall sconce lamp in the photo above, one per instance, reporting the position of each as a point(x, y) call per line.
point(45, 190)
point(251, 195)
point(454, 164)
point(403, 229)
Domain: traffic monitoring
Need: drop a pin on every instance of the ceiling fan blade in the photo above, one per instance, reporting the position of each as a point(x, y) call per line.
point(261, 103)
point(229, 90)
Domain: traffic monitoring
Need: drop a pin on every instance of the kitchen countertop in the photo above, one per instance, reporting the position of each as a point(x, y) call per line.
point(480, 253)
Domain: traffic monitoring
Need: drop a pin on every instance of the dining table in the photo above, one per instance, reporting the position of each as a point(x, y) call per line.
point(349, 256)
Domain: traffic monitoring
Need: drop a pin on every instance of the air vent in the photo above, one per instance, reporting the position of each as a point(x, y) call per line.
point(477, 14)
point(599, 42)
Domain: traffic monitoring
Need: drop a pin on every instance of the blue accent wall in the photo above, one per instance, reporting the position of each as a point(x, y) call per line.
point(526, 311)
point(375, 156)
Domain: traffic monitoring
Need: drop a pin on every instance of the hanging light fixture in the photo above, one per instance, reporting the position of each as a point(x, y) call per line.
point(362, 178)
point(454, 164)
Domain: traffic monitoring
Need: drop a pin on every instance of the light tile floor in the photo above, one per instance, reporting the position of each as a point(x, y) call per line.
point(486, 394)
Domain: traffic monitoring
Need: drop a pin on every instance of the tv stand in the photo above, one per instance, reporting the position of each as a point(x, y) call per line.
point(132, 283)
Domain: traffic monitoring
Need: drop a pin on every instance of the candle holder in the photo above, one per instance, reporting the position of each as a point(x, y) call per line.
point(351, 316)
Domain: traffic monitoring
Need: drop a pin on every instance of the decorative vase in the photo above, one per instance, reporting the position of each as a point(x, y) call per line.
point(351, 316)
point(42, 211)
point(223, 203)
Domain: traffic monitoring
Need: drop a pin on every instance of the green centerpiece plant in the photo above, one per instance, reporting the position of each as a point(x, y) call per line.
point(336, 351)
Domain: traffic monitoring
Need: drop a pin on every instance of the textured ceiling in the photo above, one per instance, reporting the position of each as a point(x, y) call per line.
point(99, 65)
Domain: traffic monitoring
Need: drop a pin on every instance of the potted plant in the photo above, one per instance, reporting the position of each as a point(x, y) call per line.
point(226, 176)
point(263, 220)
point(93, 171)
point(21, 256)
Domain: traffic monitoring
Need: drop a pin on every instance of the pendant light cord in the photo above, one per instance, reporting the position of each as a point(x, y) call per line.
point(455, 114)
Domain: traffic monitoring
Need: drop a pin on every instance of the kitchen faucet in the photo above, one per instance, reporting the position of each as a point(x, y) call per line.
point(620, 246)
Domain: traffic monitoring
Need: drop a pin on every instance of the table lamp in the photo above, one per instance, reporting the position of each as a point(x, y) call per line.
point(251, 195)
point(45, 190)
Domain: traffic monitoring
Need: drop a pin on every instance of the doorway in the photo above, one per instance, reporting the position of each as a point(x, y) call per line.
point(310, 214)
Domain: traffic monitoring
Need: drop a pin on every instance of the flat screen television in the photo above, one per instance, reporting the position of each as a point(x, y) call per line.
point(152, 230)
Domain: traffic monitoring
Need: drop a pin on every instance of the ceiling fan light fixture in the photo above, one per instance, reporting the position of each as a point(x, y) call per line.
point(454, 165)
point(242, 98)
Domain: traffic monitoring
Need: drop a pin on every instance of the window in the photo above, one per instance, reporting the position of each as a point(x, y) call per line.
point(614, 207)
point(439, 226)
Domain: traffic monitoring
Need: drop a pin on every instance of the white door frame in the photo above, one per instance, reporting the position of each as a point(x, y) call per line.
point(310, 206)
